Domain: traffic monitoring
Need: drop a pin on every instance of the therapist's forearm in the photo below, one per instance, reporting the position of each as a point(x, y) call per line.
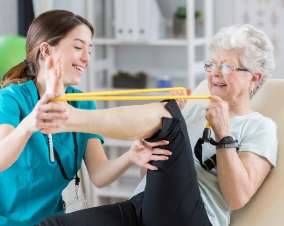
point(12, 143)
point(126, 123)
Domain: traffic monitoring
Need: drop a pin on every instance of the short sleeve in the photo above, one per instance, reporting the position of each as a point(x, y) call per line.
point(9, 110)
point(261, 139)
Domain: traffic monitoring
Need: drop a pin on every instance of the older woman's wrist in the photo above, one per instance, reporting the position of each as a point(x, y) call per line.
point(221, 135)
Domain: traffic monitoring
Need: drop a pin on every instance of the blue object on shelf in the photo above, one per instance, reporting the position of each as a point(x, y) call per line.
point(164, 82)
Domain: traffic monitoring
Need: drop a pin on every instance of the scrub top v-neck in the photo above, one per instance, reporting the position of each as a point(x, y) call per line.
point(31, 188)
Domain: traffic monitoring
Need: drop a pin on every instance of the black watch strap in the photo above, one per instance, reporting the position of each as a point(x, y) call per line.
point(227, 142)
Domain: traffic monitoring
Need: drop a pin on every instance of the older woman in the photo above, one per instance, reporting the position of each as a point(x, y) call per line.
point(184, 190)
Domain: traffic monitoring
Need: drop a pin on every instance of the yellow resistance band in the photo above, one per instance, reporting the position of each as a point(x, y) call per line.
point(108, 95)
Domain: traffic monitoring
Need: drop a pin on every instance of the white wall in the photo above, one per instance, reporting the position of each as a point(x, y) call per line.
point(8, 17)
point(77, 7)
point(224, 16)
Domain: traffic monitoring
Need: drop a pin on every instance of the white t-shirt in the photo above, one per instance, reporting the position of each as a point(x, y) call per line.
point(254, 132)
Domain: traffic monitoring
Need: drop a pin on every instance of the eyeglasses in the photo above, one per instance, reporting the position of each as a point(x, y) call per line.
point(225, 69)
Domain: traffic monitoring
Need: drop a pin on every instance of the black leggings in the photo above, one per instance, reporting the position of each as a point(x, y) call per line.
point(171, 196)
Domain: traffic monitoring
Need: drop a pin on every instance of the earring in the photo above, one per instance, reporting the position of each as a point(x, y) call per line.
point(251, 93)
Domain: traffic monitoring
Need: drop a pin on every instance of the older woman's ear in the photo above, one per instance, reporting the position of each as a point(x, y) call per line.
point(255, 79)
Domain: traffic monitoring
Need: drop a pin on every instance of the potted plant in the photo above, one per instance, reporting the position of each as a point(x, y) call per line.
point(179, 26)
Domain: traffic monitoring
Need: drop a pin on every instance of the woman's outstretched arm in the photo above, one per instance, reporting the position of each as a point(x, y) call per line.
point(125, 123)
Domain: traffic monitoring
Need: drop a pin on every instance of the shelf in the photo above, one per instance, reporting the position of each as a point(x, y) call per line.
point(158, 42)
point(135, 94)
point(180, 59)
point(200, 41)
point(117, 143)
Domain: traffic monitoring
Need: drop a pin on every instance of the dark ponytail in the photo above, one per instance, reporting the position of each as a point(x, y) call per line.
point(20, 73)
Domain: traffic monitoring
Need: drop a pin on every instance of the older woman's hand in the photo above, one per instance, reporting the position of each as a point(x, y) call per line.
point(217, 115)
point(181, 102)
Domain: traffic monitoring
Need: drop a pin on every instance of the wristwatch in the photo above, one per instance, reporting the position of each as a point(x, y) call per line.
point(227, 142)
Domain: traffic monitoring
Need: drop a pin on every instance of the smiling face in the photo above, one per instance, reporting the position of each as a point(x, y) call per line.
point(234, 86)
point(74, 53)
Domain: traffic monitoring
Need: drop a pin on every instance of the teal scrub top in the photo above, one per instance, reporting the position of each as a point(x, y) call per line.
point(31, 188)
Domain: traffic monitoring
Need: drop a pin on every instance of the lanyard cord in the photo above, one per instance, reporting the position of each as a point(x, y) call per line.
point(62, 170)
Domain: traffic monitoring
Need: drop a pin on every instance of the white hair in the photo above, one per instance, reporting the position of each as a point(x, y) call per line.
point(254, 45)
